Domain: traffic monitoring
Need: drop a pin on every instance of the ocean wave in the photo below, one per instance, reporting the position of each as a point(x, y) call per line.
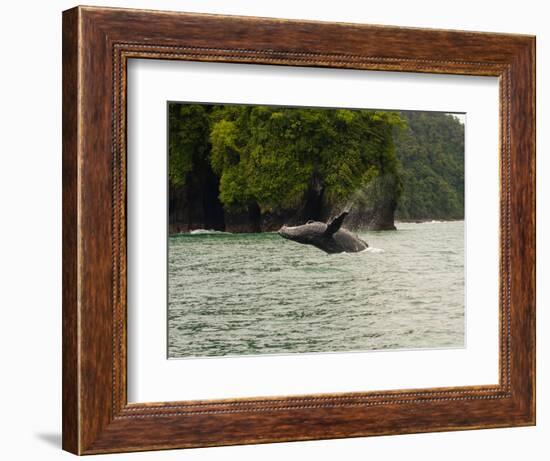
point(206, 231)
point(373, 250)
point(432, 221)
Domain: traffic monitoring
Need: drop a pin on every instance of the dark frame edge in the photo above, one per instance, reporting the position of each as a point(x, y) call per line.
point(524, 207)
point(522, 190)
point(70, 351)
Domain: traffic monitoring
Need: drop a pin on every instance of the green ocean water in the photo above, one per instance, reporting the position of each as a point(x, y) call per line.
point(251, 294)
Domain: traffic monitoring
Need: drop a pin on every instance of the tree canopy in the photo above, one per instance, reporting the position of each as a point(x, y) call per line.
point(273, 155)
point(189, 128)
point(431, 153)
point(275, 159)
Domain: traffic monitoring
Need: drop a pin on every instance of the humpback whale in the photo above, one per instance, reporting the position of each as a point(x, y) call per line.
point(330, 237)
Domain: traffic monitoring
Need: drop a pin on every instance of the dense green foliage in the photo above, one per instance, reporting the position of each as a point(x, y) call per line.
point(274, 159)
point(431, 153)
point(272, 156)
point(188, 129)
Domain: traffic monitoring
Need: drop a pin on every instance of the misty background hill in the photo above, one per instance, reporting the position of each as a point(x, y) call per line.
point(431, 154)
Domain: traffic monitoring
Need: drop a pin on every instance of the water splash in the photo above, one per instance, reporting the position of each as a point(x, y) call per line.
point(375, 192)
point(373, 250)
point(206, 232)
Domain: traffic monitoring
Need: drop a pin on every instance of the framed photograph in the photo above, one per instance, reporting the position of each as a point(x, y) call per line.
point(282, 230)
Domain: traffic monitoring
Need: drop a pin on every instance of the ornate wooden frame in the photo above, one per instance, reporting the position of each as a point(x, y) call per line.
point(97, 43)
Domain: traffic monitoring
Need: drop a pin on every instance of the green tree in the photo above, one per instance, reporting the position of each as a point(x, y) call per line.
point(431, 153)
point(273, 156)
point(189, 131)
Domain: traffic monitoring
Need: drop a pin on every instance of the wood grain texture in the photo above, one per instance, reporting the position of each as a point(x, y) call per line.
point(97, 43)
point(70, 383)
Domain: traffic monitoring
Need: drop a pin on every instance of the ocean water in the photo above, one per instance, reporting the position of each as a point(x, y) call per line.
point(251, 294)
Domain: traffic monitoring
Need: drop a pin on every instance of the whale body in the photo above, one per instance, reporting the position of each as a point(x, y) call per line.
point(329, 237)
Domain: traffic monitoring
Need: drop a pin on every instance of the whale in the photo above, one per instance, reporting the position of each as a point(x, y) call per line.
point(329, 237)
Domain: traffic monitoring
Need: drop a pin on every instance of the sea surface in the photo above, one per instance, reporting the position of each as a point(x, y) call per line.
point(251, 294)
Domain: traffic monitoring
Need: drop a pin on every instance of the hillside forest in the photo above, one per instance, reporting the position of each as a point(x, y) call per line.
point(240, 168)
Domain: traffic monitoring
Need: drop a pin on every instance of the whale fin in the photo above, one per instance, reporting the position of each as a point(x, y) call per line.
point(335, 224)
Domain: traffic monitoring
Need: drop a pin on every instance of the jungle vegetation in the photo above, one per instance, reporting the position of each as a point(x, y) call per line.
point(252, 168)
point(431, 156)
